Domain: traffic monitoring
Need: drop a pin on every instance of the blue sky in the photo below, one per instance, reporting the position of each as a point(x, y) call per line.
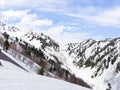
point(65, 20)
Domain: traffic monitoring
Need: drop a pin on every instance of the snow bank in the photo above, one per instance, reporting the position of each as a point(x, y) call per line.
point(11, 78)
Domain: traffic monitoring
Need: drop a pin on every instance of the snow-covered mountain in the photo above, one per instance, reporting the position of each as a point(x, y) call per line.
point(102, 58)
point(39, 40)
point(4, 27)
point(42, 50)
point(95, 62)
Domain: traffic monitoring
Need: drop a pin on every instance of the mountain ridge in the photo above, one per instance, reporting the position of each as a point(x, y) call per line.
point(45, 52)
point(99, 58)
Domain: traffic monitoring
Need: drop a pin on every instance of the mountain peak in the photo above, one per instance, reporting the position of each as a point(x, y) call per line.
point(8, 28)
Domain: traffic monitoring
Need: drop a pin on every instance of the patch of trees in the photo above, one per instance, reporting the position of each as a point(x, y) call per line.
point(118, 67)
point(6, 43)
point(65, 74)
point(89, 63)
point(43, 67)
point(0, 64)
point(29, 50)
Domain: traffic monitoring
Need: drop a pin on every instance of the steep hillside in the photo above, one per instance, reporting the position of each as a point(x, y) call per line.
point(14, 78)
point(39, 40)
point(101, 57)
point(96, 62)
point(32, 47)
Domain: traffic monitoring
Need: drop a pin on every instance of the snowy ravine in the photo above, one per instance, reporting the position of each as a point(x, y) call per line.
point(14, 78)
point(47, 56)
point(95, 62)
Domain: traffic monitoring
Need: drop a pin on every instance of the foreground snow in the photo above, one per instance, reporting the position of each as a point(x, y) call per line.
point(12, 78)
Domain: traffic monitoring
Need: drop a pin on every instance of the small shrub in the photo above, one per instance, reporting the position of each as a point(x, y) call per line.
point(41, 71)
point(0, 64)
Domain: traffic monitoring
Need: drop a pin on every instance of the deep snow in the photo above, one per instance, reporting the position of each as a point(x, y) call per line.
point(14, 78)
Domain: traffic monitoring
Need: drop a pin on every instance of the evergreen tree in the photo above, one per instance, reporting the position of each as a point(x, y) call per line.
point(0, 64)
point(6, 36)
point(41, 71)
point(16, 39)
point(6, 45)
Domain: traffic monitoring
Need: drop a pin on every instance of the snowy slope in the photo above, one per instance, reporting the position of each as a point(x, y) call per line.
point(96, 62)
point(44, 51)
point(29, 68)
point(12, 78)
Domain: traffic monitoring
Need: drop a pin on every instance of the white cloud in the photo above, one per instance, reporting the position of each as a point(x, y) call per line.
point(109, 17)
point(61, 32)
point(56, 30)
point(29, 22)
point(32, 20)
point(2, 3)
point(65, 34)
point(13, 15)
point(51, 2)
point(71, 28)
point(60, 35)
point(25, 20)
point(91, 14)
point(75, 37)
point(39, 4)
point(14, 3)
point(71, 37)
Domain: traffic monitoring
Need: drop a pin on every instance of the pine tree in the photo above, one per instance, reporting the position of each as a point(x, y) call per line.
point(16, 39)
point(6, 45)
point(0, 64)
point(6, 36)
point(41, 71)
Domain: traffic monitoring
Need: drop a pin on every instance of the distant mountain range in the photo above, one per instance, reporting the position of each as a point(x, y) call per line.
point(95, 62)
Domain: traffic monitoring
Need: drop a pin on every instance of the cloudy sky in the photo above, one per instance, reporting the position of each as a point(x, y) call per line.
point(64, 20)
